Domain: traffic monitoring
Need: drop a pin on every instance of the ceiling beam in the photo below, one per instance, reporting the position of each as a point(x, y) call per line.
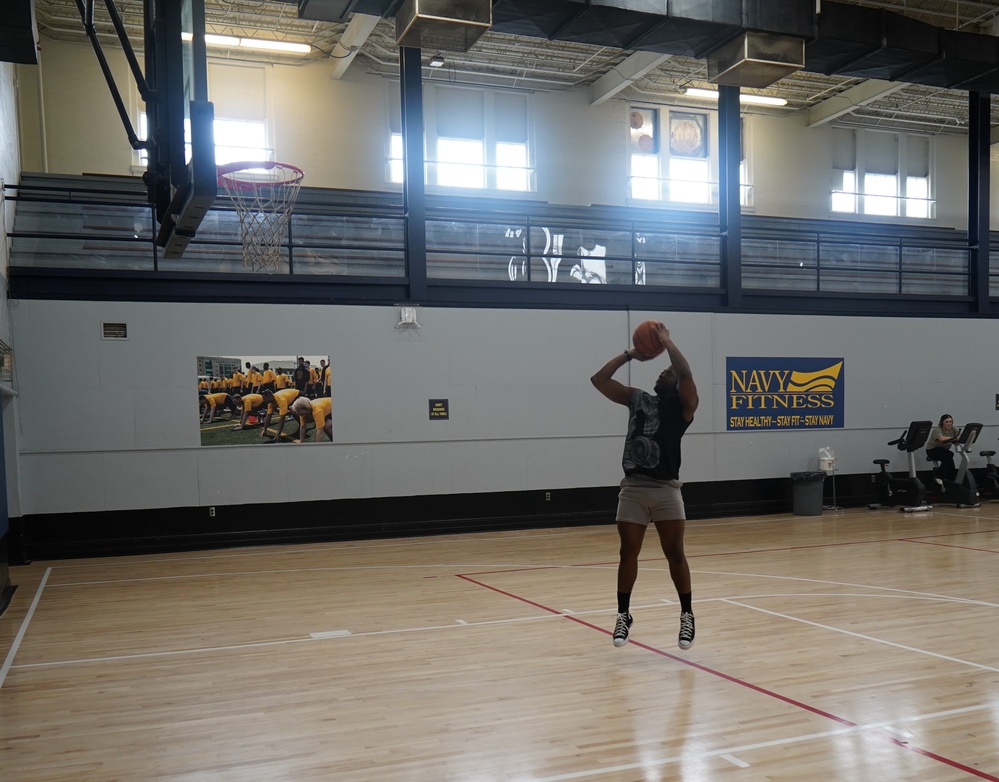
point(350, 43)
point(624, 75)
point(851, 99)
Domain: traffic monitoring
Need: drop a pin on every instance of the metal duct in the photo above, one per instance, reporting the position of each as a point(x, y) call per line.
point(444, 25)
point(967, 60)
point(19, 33)
point(756, 60)
point(870, 44)
point(847, 34)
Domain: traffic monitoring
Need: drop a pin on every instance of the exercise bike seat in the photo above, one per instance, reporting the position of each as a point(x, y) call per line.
point(886, 461)
point(986, 453)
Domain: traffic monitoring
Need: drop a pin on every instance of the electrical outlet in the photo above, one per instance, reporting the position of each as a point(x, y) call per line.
point(548, 496)
point(874, 479)
point(211, 511)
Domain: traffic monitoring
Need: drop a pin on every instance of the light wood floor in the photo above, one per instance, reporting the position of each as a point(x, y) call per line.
point(853, 646)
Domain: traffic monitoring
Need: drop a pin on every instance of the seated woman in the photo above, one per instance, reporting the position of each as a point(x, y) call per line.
point(938, 447)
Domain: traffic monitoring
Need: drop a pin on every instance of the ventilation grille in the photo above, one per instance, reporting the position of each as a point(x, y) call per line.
point(6, 363)
point(114, 331)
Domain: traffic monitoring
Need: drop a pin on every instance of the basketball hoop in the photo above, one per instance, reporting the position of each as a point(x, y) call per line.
point(263, 194)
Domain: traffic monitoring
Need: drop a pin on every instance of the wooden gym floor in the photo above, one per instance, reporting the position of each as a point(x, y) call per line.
point(855, 645)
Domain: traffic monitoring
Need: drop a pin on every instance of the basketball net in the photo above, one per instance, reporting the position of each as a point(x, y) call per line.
point(263, 194)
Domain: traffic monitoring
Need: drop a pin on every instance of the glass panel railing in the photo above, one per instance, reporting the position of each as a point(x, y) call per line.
point(81, 225)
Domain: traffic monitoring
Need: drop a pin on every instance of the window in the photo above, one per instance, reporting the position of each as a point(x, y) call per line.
point(881, 174)
point(460, 163)
point(234, 140)
point(680, 169)
point(240, 140)
point(474, 139)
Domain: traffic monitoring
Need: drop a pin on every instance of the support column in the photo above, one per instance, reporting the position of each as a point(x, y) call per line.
point(729, 207)
point(414, 191)
point(979, 114)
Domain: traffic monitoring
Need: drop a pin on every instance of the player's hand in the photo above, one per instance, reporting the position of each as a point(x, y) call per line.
point(638, 355)
point(663, 332)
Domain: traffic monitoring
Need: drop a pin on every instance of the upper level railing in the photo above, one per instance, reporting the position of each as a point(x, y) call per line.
point(104, 223)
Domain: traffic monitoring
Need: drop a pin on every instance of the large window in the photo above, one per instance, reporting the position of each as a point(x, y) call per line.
point(679, 165)
point(474, 140)
point(234, 140)
point(881, 174)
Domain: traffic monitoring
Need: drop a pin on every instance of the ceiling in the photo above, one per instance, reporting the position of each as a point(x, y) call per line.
point(367, 43)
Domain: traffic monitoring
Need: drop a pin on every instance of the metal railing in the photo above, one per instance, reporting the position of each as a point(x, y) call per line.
point(91, 223)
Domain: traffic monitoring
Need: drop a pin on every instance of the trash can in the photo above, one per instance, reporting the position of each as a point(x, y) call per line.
point(806, 493)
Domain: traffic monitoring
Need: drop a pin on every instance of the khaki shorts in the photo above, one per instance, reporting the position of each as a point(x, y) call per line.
point(643, 500)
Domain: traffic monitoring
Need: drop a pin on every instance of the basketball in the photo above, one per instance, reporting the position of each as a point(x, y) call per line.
point(646, 339)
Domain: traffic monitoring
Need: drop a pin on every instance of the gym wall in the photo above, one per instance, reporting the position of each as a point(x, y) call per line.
point(112, 425)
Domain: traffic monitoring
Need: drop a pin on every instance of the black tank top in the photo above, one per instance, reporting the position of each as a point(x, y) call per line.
point(655, 426)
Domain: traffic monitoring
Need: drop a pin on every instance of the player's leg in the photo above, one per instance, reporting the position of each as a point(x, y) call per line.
point(632, 521)
point(671, 533)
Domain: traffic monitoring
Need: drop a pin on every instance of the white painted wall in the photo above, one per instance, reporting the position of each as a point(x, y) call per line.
point(337, 130)
point(523, 414)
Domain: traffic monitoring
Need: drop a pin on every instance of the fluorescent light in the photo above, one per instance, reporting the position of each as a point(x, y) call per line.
point(221, 40)
point(275, 46)
point(759, 100)
point(436, 61)
point(230, 42)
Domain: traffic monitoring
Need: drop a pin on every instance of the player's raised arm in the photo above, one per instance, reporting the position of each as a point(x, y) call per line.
point(605, 383)
point(685, 380)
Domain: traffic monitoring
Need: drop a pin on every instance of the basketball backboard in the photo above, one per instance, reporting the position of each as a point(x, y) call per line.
point(181, 175)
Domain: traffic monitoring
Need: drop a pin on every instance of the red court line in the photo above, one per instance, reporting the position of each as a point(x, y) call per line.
point(743, 683)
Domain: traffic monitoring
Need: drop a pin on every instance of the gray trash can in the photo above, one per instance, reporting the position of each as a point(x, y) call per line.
point(806, 493)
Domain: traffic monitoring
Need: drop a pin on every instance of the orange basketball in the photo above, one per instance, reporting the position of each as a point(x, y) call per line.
point(646, 339)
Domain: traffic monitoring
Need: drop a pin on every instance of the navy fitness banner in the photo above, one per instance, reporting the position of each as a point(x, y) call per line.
point(784, 393)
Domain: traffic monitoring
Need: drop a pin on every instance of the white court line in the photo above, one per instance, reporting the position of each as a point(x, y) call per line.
point(735, 761)
point(730, 751)
point(849, 584)
point(331, 634)
point(867, 637)
point(460, 623)
point(498, 568)
point(8, 663)
point(281, 641)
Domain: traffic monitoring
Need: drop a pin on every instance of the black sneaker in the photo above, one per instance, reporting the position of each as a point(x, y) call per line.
point(621, 629)
point(686, 639)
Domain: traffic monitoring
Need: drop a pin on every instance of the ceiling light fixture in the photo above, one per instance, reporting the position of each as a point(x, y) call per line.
point(759, 100)
point(229, 41)
point(436, 61)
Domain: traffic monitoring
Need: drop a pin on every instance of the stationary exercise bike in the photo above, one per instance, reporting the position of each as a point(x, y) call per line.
point(907, 492)
point(990, 478)
point(962, 490)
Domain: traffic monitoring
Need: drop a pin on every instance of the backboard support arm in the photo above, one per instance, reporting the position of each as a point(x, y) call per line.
point(87, 17)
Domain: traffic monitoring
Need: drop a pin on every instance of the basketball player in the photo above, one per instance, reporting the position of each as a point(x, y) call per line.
point(650, 491)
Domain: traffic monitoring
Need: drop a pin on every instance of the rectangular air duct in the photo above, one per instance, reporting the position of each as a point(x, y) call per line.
point(19, 32)
point(756, 59)
point(442, 25)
